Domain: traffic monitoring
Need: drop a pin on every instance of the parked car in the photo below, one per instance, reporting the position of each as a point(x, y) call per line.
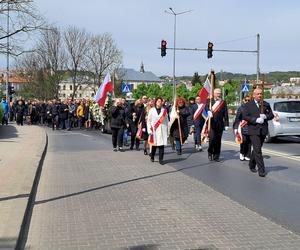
point(287, 118)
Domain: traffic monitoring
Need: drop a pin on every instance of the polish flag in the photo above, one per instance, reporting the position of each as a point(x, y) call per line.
point(106, 86)
point(204, 91)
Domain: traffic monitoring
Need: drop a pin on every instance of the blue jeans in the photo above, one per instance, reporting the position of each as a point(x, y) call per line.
point(178, 144)
point(125, 136)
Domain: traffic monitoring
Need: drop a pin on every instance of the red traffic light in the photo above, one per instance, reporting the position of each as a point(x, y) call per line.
point(210, 44)
point(163, 43)
point(163, 48)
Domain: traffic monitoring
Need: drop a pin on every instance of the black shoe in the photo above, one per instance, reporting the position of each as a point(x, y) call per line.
point(145, 152)
point(217, 159)
point(178, 152)
point(115, 149)
point(161, 162)
point(151, 159)
point(121, 149)
point(210, 157)
point(262, 174)
point(131, 148)
point(253, 170)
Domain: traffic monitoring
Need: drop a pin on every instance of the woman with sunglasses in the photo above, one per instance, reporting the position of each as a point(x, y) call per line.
point(245, 146)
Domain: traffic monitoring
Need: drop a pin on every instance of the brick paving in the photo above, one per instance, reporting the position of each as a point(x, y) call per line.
point(92, 198)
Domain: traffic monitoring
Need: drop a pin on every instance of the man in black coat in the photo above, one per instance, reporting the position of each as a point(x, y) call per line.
point(198, 121)
point(257, 118)
point(219, 122)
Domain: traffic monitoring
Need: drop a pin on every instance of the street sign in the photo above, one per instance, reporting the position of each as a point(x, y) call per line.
point(126, 88)
point(245, 88)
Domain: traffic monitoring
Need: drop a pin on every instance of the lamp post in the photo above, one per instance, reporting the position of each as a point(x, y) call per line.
point(7, 52)
point(172, 12)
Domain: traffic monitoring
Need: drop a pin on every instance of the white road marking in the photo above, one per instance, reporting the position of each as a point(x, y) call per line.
point(269, 151)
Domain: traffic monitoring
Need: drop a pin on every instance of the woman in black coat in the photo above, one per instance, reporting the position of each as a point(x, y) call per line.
point(20, 112)
point(133, 118)
point(117, 124)
point(183, 113)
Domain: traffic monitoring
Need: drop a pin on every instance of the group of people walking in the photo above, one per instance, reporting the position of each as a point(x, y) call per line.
point(154, 122)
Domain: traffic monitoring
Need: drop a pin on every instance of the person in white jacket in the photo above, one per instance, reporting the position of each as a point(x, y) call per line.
point(157, 126)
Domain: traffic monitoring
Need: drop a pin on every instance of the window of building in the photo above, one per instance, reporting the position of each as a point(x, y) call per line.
point(80, 87)
point(80, 95)
point(64, 95)
point(92, 95)
point(64, 87)
point(71, 87)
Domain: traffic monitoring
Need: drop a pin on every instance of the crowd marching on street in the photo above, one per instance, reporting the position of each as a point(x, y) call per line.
point(156, 123)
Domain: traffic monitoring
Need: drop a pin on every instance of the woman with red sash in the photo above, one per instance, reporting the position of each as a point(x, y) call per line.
point(157, 127)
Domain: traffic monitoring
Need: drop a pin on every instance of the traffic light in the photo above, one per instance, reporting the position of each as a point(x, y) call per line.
point(11, 90)
point(163, 48)
point(210, 49)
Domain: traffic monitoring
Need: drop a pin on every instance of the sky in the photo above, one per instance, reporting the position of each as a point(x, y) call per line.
point(138, 26)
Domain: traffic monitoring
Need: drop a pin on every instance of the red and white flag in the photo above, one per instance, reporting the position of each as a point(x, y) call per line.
point(105, 87)
point(204, 91)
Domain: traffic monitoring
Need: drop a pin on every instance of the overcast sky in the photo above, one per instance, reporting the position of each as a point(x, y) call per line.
point(138, 26)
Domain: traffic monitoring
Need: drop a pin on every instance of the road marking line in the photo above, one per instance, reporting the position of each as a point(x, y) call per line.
point(269, 151)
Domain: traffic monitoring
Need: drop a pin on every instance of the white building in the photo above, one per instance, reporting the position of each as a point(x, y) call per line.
point(84, 90)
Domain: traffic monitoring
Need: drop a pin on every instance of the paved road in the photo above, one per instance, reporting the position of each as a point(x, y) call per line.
point(92, 198)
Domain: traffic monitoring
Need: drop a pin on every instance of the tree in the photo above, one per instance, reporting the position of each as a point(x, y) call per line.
point(196, 79)
point(102, 56)
point(24, 19)
point(183, 91)
point(51, 51)
point(153, 90)
point(76, 42)
point(141, 90)
point(167, 91)
point(195, 90)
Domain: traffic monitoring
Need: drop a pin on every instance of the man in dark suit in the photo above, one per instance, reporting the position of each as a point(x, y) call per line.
point(257, 117)
point(219, 122)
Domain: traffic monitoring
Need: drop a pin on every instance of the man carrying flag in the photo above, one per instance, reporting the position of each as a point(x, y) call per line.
point(219, 122)
point(105, 87)
point(198, 121)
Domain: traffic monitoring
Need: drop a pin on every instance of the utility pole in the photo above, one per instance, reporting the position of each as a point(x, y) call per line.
point(7, 52)
point(174, 54)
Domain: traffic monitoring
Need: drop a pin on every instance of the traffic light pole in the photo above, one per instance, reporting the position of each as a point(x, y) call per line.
point(257, 51)
point(174, 54)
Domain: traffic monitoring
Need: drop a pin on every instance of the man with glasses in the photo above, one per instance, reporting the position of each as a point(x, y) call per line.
point(257, 113)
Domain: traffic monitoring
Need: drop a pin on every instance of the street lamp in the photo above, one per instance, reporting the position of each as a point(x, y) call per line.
point(174, 55)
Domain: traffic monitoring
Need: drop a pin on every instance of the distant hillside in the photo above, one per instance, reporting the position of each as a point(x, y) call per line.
point(274, 77)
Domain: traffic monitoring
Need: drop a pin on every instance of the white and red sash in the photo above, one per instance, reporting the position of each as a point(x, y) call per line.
point(218, 104)
point(238, 134)
point(198, 112)
point(159, 121)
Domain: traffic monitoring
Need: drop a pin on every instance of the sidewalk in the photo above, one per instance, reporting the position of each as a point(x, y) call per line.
point(21, 148)
point(100, 199)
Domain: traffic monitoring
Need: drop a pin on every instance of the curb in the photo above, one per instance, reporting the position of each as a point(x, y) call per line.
point(23, 234)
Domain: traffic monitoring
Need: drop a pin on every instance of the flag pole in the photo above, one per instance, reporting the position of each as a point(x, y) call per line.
point(212, 81)
point(262, 99)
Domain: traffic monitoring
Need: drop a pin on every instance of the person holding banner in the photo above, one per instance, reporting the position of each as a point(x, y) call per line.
point(179, 129)
point(219, 122)
point(240, 129)
point(157, 127)
point(257, 113)
point(198, 121)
